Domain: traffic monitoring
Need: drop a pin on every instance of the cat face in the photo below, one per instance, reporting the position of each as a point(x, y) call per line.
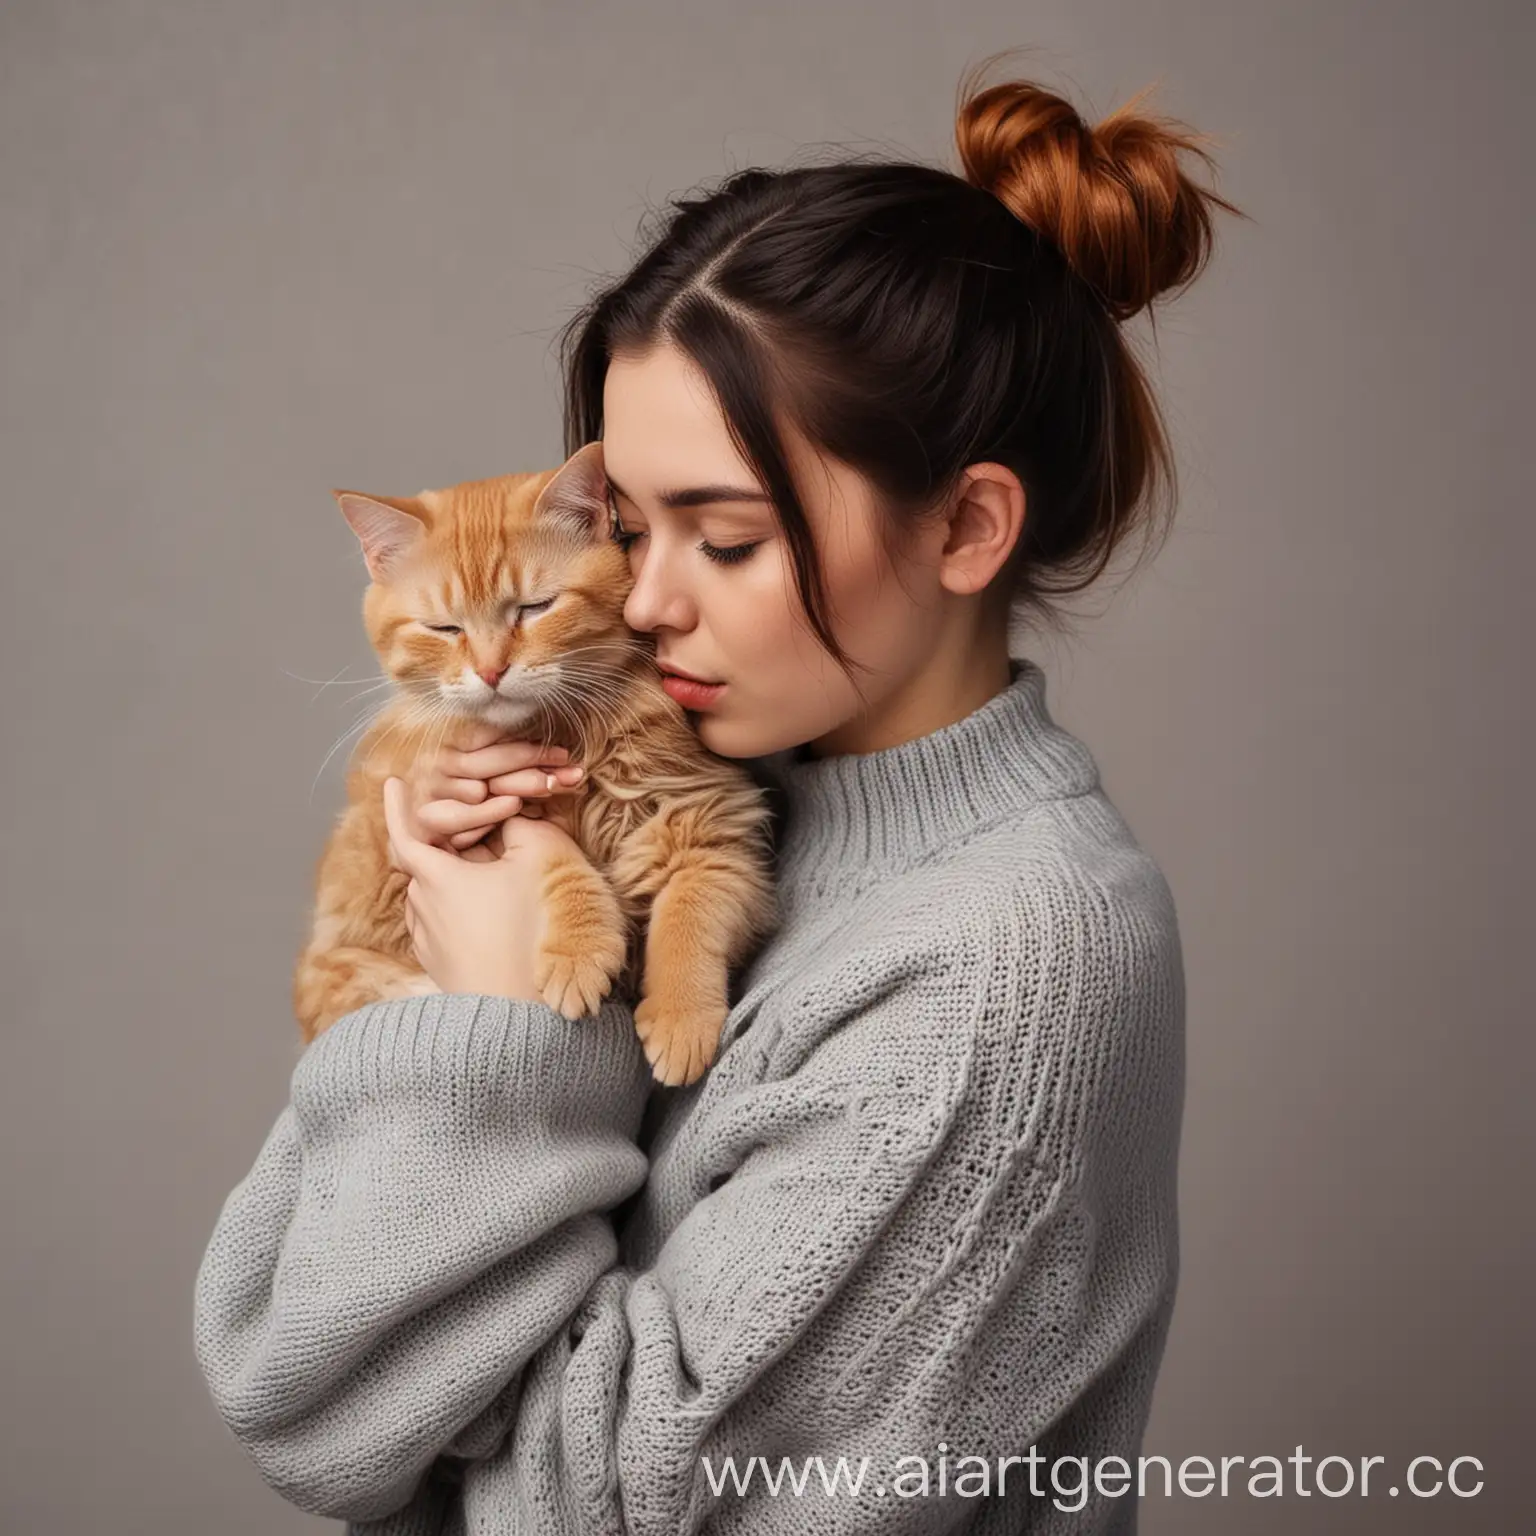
point(500, 600)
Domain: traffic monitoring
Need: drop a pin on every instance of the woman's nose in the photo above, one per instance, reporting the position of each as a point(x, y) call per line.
point(657, 600)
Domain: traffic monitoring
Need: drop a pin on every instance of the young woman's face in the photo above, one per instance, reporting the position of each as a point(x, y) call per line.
point(713, 580)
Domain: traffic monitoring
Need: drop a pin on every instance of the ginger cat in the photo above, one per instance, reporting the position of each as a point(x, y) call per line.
point(517, 578)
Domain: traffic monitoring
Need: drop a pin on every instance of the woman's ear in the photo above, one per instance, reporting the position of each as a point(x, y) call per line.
point(985, 521)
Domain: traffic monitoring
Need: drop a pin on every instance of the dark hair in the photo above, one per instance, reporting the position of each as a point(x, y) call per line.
point(911, 322)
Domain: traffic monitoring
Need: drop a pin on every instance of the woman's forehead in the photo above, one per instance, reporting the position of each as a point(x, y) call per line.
point(658, 410)
point(664, 432)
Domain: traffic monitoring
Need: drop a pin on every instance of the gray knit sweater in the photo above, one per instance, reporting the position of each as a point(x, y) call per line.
point(919, 1216)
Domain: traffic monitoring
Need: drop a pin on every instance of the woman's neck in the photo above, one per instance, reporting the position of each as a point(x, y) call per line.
point(850, 818)
point(947, 688)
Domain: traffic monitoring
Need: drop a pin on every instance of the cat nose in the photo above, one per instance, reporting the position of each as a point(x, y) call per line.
point(492, 675)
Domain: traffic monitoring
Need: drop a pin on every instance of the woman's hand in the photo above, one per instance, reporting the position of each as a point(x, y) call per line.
point(475, 918)
point(460, 793)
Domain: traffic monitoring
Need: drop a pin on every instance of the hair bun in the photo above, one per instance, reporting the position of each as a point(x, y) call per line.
point(1112, 198)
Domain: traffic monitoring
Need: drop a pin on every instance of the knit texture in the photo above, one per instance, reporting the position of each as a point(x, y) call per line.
point(483, 1278)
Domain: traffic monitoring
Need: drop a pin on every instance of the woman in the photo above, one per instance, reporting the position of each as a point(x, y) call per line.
point(920, 1216)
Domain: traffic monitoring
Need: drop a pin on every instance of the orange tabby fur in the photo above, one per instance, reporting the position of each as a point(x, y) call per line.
point(676, 839)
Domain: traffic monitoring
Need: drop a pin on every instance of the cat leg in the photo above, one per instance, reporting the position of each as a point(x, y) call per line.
point(584, 938)
point(714, 901)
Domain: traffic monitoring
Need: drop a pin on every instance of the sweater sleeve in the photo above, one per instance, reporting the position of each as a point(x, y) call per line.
point(427, 1211)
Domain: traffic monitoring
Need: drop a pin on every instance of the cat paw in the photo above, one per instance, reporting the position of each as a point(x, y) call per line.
point(679, 1042)
point(575, 985)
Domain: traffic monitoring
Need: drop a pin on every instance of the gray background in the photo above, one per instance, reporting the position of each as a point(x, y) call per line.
point(249, 252)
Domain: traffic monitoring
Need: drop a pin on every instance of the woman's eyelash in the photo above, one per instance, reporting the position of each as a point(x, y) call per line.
point(730, 554)
point(721, 554)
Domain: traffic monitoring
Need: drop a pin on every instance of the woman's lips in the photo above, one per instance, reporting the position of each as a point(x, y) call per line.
point(689, 694)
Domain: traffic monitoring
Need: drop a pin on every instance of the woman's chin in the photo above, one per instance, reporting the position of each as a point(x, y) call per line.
point(725, 737)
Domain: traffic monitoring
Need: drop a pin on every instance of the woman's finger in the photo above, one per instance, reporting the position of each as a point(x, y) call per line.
point(500, 757)
point(407, 851)
point(470, 791)
point(536, 781)
point(447, 818)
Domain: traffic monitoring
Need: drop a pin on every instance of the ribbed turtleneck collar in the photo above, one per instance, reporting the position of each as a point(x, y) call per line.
point(866, 813)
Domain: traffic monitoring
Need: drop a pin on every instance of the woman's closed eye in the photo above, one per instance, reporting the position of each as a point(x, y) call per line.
point(726, 554)
point(721, 554)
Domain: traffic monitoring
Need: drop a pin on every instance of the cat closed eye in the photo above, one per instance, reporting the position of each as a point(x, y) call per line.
point(458, 629)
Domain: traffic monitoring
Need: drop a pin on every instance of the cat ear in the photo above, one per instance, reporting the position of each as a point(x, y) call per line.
point(387, 529)
point(577, 497)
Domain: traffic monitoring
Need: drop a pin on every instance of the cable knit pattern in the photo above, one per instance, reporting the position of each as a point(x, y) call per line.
point(483, 1279)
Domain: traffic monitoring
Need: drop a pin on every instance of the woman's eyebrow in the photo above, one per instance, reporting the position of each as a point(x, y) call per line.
point(696, 495)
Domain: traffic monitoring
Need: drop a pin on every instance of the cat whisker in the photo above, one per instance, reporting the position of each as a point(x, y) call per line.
point(414, 714)
point(594, 690)
point(363, 693)
point(628, 647)
point(577, 724)
point(597, 686)
point(606, 671)
point(333, 682)
point(567, 659)
point(563, 695)
point(446, 717)
point(361, 724)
